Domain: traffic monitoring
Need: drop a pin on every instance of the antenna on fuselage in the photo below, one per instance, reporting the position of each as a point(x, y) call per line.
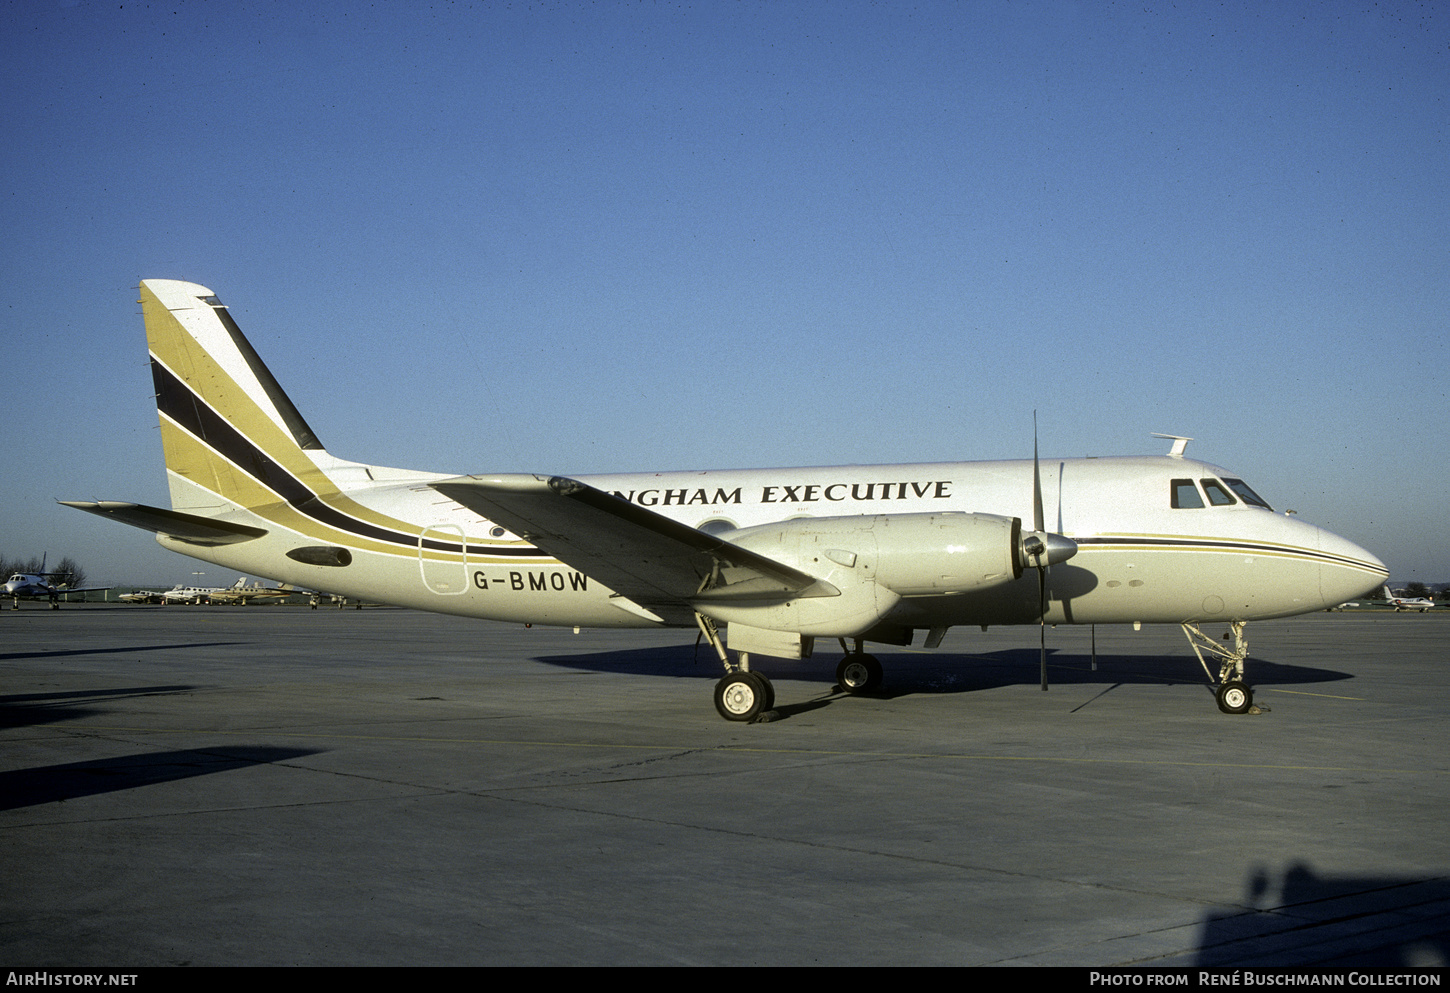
point(1179, 443)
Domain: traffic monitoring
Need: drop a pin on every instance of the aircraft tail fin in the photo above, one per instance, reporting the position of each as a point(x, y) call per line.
point(227, 428)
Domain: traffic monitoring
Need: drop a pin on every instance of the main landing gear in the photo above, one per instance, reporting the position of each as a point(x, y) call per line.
point(858, 672)
point(1230, 690)
point(741, 695)
point(744, 695)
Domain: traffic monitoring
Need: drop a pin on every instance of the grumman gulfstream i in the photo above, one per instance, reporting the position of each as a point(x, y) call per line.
point(762, 561)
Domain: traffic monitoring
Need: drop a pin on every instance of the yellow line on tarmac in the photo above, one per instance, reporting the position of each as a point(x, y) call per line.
point(1327, 696)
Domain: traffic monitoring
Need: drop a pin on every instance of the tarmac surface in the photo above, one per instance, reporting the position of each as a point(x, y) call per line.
point(281, 786)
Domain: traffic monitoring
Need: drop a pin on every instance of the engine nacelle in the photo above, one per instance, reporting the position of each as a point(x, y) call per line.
point(874, 562)
point(927, 554)
point(909, 554)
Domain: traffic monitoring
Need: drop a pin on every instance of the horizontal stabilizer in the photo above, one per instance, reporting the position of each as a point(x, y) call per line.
point(636, 552)
point(172, 523)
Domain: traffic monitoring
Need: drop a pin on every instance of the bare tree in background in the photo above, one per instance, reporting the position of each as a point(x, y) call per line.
point(68, 573)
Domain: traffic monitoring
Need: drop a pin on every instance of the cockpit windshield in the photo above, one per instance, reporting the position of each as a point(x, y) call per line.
point(1217, 495)
point(1247, 495)
point(1185, 495)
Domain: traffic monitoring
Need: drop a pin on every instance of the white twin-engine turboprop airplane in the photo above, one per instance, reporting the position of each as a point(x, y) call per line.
point(38, 586)
point(779, 557)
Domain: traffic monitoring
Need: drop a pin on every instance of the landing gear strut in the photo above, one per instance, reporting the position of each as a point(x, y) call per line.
point(1232, 693)
point(741, 695)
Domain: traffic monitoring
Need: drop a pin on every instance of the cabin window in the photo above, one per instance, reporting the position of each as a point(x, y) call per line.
point(1185, 495)
point(1217, 495)
point(1247, 495)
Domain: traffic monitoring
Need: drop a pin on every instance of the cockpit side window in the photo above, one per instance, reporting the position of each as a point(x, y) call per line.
point(1247, 495)
point(1217, 495)
point(1185, 495)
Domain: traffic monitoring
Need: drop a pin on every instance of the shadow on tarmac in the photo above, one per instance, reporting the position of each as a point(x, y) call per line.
point(13, 656)
point(1302, 918)
point(940, 672)
point(48, 784)
point(27, 709)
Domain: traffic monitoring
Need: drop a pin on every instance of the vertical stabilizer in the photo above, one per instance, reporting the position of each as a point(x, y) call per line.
point(227, 428)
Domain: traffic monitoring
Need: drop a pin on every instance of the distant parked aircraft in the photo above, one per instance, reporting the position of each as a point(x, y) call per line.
point(1420, 603)
point(38, 586)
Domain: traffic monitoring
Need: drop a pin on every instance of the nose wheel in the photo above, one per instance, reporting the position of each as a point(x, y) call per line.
point(1234, 698)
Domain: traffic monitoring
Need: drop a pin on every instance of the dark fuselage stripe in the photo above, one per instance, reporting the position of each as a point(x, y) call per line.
point(1171, 544)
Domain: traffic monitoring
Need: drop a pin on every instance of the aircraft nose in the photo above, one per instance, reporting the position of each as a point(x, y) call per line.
point(1346, 571)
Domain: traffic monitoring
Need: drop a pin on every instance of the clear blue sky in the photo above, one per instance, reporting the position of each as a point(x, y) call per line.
point(569, 237)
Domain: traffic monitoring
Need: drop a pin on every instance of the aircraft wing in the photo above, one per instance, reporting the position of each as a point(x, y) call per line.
point(642, 555)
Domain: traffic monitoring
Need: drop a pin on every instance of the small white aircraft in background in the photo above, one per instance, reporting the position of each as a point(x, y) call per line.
point(238, 592)
point(1420, 603)
point(244, 594)
point(193, 594)
point(778, 559)
point(38, 586)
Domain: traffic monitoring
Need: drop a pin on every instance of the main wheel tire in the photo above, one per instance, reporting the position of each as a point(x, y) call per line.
point(769, 689)
point(1235, 698)
point(858, 673)
point(740, 696)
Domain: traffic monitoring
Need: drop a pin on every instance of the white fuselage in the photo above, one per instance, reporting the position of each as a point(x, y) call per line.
point(27, 585)
point(189, 594)
point(1140, 559)
point(1421, 604)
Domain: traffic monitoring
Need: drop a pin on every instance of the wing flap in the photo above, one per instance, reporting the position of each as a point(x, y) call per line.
point(636, 552)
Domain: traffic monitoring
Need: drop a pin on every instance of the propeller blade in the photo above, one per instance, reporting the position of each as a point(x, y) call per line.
point(1037, 521)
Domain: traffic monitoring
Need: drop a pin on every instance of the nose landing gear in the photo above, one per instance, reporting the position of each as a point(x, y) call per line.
point(1230, 690)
